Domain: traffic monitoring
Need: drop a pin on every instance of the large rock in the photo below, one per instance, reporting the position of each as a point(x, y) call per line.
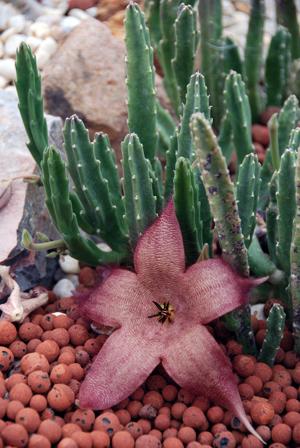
point(86, 76)
point(26, 203)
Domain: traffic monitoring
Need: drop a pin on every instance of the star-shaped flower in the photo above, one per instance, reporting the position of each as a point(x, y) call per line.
point(160, 312)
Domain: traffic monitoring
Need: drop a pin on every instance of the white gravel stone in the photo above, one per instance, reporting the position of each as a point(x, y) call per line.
point(105, 247)
point(92, 11)
point(1, 49)
point(6, 12)
point(33, 42)
point(49, 19)
point(69, 264)
point(68, 23)
point(39, 29)
point(17, 22)
point(74, 279)
point(78, 13)
point(45, 51)
point(7, 34)
point(64, 288)
point(3, 82)
point(12, 43)
point(7, 69)
point(258, 311)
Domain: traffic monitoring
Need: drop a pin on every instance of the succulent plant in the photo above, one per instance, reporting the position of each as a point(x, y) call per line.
point(183, 159)
point(219, 54)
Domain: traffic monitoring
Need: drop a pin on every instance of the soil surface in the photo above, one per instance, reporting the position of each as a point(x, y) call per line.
point(44, 360)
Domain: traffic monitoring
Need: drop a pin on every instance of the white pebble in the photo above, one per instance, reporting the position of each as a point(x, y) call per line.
point(92, 11)
point(68, 23)
point(258, 311)
point(17, 22)
point(49, 20)
point(39, 29)
point(74, 279)
point(1, 49)
point(64, 288)
point(69, 264)
point(7, 69)
point(7, 33)
point(78, 13)
point(45, 51)
point(104, 247)
point(12, 43)
point(3, 82)
point(33, 42)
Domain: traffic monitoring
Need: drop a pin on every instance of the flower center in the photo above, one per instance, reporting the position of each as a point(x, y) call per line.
point(166, 312)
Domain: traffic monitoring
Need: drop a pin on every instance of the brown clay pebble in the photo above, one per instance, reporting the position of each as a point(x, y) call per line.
point(205, 438)
point(224, 439)
point(38, 402)
point(263, 371)
point(61, 374)
point(84, 418)
point(123, 416)
point(193, 417)
point(87, 276)
point(154, 398)
point(78, 334)
point(177, 410)
point(100, 439)
point(32, 345)
point(134, 429)
point(13, 408)
point(15, 378)
point(48, 348)
point(291, 418)
point(162, 422)
point(39, 381)
point(77, 371)
point(69, 428)
point(29, 418)
point(147, 441)
point(15, 435)
point(38, 441)
point(172, 442)
point(296, 433)
point(8, 332)
point(62, 321)
point(244, 365)
point(67, 442)
point(18, 349)
point(66, 357)
point(51, 430)
point(60, 397)
point(28, 331)
point(83, 439)
point(34, 361)
point(262, 412)
point(60, 336)
point(251, 442)
point(6, 359)
point(3, 407)
point(194, 445)
point(169, 392)
point(282, 433)
point(47, 322)
point(107, 422)
point(278, 401)
point(122, 439)
point(215, 414)
point(21, 392)
point(187, 434)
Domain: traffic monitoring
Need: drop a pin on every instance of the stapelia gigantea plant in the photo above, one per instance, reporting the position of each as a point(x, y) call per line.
point(89, 203)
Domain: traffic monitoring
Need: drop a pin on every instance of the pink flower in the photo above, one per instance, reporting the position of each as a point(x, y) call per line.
point(188, 298)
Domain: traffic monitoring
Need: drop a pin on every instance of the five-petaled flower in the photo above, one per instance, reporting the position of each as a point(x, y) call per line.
point(193, 297)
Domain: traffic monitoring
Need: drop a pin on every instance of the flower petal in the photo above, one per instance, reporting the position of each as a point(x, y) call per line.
point(159, 254)
point(117, 300)
point(122, 365)
point(213, 289)
point(197, 363)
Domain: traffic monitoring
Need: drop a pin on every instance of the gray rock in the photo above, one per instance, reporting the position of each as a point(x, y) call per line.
point(86, 76)
point(26, 206)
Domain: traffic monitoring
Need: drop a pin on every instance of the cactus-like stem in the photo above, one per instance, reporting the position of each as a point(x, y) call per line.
point(225, 139)
point(140, 81)
point(205, 213)
point(28, 85)
point(187, 207)
point(294, 141)
point(287, 121)
point(171, 157)
point(196, 101)
point(156, 175)
point(185, 47)
point(232, 57)
point(278, 67)
point(57, 196)
point(165, 128)
point(295, 262)
point(260, 263)
point(294, 78)
point(286, 200)
point(272, 217)
point(166, 50)
point(286, 14)
point(152, 13)
point(246, 193)
point(274, 334)
point(92, 187)
point(240, 114)
point(80, 213)
point(220, 193)
point(274, 148)
point(253, 55)
point(140, 203)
